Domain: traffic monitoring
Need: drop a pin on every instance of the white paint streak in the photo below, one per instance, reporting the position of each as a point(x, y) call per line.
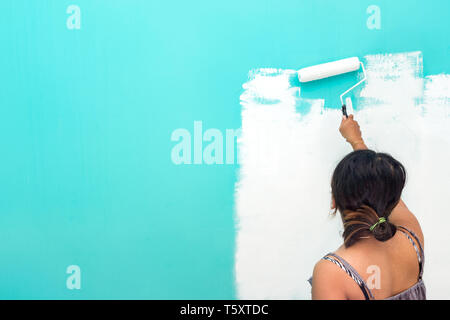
point(283, 195)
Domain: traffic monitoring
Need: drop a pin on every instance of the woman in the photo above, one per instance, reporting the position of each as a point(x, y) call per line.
point(382, 255)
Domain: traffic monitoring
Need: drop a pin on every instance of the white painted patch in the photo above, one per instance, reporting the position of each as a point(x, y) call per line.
point(283, 194)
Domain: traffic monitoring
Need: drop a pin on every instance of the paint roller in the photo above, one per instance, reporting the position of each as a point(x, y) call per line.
point(331, 69)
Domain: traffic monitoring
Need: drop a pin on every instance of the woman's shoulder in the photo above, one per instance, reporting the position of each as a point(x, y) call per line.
point(327, 281)
point(331, 267)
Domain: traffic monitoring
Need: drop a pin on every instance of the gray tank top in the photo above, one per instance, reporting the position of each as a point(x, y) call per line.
point(416, 292)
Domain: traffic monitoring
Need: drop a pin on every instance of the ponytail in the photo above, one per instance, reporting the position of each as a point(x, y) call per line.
point(363, 222)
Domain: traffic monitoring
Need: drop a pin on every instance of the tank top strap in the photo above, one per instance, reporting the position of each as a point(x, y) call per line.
point(344, 265)
point(417, 247)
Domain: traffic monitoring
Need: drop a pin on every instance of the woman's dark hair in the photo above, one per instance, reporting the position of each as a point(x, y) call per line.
point(366, 186)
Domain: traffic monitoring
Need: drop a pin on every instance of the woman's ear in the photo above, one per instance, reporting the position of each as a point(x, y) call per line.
point(333, 203)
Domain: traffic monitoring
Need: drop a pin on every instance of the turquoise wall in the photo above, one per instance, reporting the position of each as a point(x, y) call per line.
point(86, 118)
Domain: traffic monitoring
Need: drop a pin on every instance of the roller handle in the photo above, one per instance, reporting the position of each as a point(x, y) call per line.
point(344, 110)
